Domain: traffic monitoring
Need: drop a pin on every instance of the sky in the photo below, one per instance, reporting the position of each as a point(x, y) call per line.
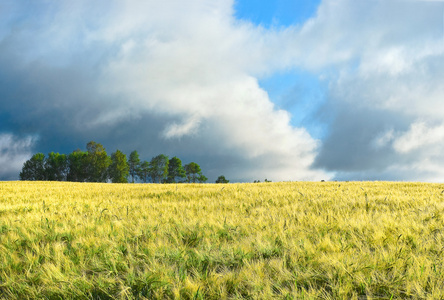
point(282, 89)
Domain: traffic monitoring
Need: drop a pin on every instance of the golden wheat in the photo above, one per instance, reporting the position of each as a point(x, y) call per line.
point(296, 240)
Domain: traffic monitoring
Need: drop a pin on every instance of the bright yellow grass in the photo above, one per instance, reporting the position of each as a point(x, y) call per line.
point(336, 240)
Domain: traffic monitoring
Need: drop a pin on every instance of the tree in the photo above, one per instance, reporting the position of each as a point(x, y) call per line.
point(222, 179)
point(143, 171)
point(78, 166)
point(98, 162)
point(192, 171)
point(159, 168)
point(34, 168)
point(202, 178)
point(56, 167)
point(176, 172)
point(118, 169)
point(134, 164)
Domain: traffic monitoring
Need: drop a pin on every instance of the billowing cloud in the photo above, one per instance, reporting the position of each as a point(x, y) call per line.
point(419, 136)
point(383, 63)
point(148, 76)
point(174, 130)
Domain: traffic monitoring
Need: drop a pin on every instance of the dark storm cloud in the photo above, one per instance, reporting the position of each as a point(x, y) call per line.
point(351, 148)
point(350, 143)
point(42, 101)
point(60, 107)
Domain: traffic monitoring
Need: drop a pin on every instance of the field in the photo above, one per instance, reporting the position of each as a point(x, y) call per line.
point(324, 240)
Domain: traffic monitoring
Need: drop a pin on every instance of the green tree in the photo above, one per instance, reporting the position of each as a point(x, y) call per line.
point(222, 179)
point(118, 169)
point(193, 172)
point(159, 168)
point(143, 172)
point(56, 166)
point(134, 164)
point(202, 178)
point(98, 162)
point(78, 166)
point(176, 171)
point(34, 168)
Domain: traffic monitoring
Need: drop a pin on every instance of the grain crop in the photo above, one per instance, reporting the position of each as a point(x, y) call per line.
point(289, 240)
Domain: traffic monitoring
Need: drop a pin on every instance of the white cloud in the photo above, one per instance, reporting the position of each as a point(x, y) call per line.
point(189, 127)
point(384, 63)
point(383, 139)
point(14, 152)
point(420, 136)
point(200, 67)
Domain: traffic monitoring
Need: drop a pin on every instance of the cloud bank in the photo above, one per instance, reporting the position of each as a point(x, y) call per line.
point(386, 91)
point(145, 75)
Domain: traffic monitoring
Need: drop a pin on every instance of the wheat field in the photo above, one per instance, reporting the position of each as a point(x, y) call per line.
point(293, 240)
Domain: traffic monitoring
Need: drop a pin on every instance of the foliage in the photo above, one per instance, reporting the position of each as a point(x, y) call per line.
point(94, 165)
point(56, 167)
point(34, 168)
point(258, 181)
point(78, 166)
point(143, 171)
point(158, 170)
point(119, 168)
point(193, 172)
point(202, 178)
point(98, 162)
point(222, 179)
point(133, 164)
point(176, 172)
point(356, 240)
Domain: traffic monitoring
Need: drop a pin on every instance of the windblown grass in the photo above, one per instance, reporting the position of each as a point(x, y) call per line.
point(357, 240)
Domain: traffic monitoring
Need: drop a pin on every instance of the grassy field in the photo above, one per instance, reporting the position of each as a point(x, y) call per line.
point(335, 240)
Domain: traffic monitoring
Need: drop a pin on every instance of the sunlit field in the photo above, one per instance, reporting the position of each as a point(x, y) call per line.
point(325, 240)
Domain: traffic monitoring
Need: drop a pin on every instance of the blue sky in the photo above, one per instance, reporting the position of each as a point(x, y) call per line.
point(300, 93)
point(296, 91)
point(277, 13)
point(284, 90)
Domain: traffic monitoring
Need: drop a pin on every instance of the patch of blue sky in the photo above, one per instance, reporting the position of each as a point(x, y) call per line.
point(278, 13)
point(301, 94)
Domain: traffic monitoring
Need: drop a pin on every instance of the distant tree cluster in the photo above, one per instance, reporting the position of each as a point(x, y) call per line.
point(222, 179)
point(95, 165)
point(258, 181)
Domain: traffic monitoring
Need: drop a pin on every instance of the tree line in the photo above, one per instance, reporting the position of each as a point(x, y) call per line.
point(95, 165)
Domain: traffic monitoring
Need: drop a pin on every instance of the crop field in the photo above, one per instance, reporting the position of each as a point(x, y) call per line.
point(295, 240)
